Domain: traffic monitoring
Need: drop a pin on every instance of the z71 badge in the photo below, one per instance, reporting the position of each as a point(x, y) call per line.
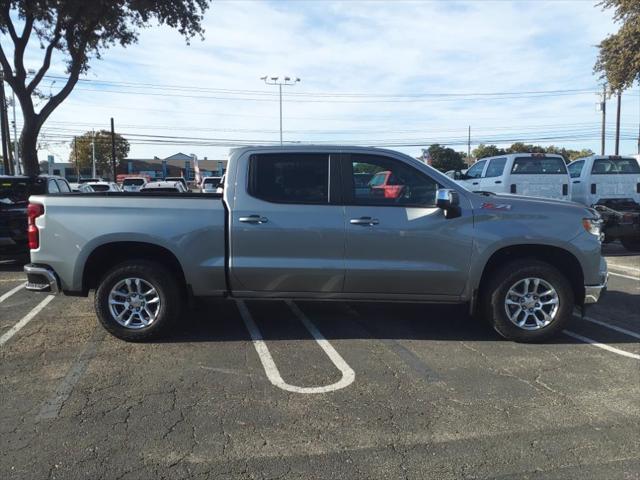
point(496, 206)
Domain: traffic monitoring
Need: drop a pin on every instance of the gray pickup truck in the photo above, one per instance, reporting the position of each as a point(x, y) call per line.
point(293, 222)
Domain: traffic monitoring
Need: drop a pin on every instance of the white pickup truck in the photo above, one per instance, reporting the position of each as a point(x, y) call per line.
point(531, 174)
point(611, 185)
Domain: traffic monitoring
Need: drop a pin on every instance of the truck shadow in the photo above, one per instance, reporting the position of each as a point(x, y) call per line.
point(220, 321)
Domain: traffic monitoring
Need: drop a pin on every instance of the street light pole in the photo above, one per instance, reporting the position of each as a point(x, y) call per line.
point(280, 82)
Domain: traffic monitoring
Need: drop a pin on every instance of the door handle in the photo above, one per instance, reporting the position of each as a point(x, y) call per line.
point(498, 181)
point(253, 219)
point(475, 183)
point(576, 181)
point(364, 221)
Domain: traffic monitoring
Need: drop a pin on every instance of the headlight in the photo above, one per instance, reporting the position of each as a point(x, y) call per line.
point(593, 226)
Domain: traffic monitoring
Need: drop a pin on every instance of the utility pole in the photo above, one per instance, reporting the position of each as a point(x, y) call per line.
point(113, 150)
point(93, 154)
point(469, 144)
point(75, 151)
point(16, 155)
point(603, 108)
point(280, 82)
point(617, 151)
point(3, 129)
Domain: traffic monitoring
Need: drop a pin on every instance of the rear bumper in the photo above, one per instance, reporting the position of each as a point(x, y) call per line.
point(41, 278)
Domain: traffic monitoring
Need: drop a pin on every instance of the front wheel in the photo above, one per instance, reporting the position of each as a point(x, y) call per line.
point(138, 300)
point(528, 301)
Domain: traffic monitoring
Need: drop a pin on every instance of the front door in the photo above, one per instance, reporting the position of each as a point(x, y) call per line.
point(398, 242)
point(287, 230)
point(471, 179)
point(493, 178)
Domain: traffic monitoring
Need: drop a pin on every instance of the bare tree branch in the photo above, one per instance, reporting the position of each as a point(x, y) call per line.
point(20, 47)
point(10, 27)
point(47, 59)
point(6, 67)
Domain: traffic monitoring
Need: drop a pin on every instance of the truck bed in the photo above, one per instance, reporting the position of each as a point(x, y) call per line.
point(191, 227)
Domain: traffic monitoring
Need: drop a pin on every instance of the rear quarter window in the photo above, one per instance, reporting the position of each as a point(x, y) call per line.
point(539, 166)
point(613, 166)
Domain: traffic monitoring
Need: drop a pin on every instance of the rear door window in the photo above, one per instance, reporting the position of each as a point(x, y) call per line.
point(290, 177)
point(538, 166)
point(63, 186)
point(53, 187)
point(575, 169)
point(496, 167)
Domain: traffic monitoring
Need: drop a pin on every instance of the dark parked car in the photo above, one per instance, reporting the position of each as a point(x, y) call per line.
point(14, 199)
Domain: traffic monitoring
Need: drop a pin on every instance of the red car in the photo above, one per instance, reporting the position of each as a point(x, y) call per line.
point(385, 184)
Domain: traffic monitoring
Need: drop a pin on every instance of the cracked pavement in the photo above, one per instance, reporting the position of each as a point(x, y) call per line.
point(436, 394)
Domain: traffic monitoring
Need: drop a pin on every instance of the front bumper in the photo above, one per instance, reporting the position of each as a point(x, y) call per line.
point(592, 293)
point(41, 278)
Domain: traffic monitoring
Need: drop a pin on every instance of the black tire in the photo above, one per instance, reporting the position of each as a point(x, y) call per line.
point(631, 243)
point(508, 275)
point(171, 299)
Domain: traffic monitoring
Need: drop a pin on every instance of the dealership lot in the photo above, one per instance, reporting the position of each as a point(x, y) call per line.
point(273, 389)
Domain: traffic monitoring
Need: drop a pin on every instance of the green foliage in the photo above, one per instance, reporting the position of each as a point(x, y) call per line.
point(366, 168)
point(445, 159)
point(83, 148)
point(79, 30)
point(483, 151)
point(569, 155)
point(619, 58)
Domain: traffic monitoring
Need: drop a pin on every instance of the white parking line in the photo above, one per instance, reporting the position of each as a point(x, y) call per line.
point(270, 368)
point(11, 292)
point(604, 346)
point(613, 327)
point(624, 276)
point(24, 320)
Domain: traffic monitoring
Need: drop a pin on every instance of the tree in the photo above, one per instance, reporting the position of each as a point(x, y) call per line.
point(520, 147)
point(82, 146)
point(445, 159)
point(568, 154)
point(482, 151)
point(79, 30)
point(619, 58)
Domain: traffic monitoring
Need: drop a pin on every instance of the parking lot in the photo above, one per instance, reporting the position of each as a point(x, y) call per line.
point(273, 389)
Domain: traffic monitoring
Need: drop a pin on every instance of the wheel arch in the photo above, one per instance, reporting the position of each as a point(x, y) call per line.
point(563, 260)
point(104, 257)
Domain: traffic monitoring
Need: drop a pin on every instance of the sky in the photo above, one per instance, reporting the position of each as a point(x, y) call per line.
point(403, 74)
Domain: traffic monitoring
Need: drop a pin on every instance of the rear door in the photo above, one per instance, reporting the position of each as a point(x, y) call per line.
point(493, 178)
point(287, 226)
point(539, 175)
point(577, 182)
point(401, 245)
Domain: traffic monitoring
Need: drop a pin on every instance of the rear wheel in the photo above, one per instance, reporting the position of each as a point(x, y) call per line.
point(138, 300)
point(528, 301)
point(631, 243)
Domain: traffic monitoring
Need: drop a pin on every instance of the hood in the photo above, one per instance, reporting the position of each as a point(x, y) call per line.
point(514, 200)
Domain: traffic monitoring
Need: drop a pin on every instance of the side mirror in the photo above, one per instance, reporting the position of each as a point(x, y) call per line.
point(458, 175)
point(447, 200)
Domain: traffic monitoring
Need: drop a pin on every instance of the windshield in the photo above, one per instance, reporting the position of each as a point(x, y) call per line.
point(539, 166)
point(609, 166)
point(133, 181)
point(100, 187)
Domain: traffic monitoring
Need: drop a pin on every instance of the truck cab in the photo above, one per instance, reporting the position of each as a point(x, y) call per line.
point(530, 174)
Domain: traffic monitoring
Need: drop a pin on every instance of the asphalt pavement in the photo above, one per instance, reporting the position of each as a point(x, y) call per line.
point(301, 390)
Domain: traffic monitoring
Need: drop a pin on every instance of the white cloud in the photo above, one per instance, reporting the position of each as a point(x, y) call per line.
point(363, 47)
